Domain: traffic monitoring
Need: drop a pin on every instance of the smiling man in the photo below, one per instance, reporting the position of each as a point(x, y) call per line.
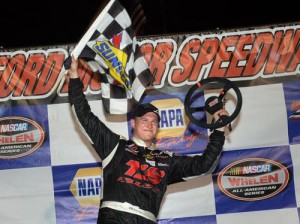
point(145, 123)
point(135, 174)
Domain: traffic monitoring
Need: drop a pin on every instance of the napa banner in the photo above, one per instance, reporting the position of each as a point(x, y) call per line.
point(50, 173)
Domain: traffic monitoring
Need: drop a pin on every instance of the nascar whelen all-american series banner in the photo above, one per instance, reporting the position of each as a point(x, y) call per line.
point(50, 173)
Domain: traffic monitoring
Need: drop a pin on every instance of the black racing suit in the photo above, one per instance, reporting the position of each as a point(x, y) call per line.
point(135, 174)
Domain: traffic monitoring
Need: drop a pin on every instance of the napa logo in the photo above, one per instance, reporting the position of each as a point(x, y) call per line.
point(116, 60)
point(173, 120)
point(86, 186)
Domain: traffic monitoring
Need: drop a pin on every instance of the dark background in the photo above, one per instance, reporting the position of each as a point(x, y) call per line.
point(38, 23)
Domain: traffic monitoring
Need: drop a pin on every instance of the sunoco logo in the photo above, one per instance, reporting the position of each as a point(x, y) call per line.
point(253, 179)
point(19, 136)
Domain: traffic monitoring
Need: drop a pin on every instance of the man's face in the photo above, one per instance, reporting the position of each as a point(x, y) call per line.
point(145, 127)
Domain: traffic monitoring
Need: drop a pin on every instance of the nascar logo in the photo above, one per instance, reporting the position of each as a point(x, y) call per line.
point(13, 127)
point(19, 136)
point(253, 179)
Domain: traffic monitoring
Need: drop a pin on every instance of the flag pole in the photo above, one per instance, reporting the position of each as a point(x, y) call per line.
point(79, 47)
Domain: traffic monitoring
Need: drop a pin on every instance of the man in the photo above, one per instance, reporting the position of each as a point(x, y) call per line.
point(135, 174)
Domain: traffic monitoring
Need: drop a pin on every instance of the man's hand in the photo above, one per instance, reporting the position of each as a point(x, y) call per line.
point(217, 115)
point(73, 73)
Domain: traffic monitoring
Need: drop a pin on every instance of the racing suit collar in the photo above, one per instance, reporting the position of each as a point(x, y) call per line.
point(140, 142)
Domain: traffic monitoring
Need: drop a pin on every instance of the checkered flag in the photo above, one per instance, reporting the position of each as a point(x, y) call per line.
point(111, 50)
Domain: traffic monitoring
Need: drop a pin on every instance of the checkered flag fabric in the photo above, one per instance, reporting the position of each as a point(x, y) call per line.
point(111, 50)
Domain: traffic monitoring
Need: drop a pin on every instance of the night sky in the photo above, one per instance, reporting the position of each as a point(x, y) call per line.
point(38, 23)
